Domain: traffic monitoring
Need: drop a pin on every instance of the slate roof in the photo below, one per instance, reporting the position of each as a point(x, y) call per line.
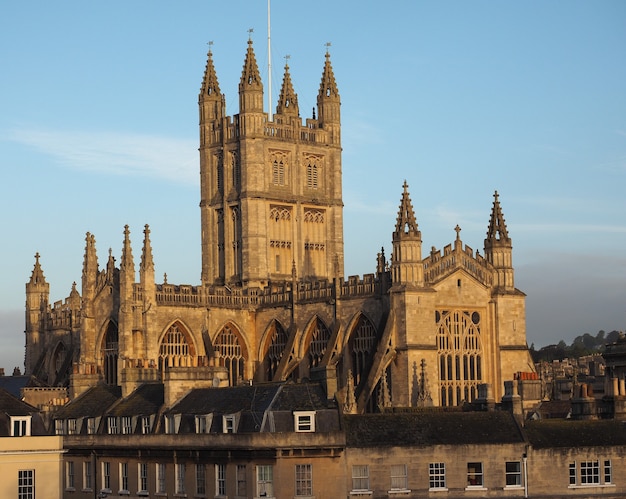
point(145, 400)
point(12, 406)
point(431, 428)
point(94, 402)
point(256, 398)
point(568, 433)
point(301, 397)
point(14, 384)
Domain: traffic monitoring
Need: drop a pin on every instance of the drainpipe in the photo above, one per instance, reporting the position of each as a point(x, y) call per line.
point(525, 461)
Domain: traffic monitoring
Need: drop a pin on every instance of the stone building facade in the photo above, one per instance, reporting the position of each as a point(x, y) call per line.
point(273, 303)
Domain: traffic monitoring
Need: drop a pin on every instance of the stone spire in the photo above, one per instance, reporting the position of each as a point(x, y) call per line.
point(498, 247)
point(90, 267)
point(147, 263)
point(497, 227)
point(406, 259)
point(288, 99)
point(328, 101)
point(406, 225)
point(210, 99)
point(37, 277)
point(128, 263)
point(250, 86)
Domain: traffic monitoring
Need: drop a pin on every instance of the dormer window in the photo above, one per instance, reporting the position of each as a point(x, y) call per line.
point(172, 423)
point(59, 427)
point(304, 421)
point(229, 423)
point(112, 424)
point(91, 426)
point(72, 427)
point(127, 425)
point(202, 424)
point(20, 426)
point(145, 425)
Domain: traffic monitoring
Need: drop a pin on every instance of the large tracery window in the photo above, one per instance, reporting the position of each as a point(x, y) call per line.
point(362, 345)
point(278, 339)
point(319, 342)
point(110, 353)
point(460, 355)
point(231, 354)
point(175, 349)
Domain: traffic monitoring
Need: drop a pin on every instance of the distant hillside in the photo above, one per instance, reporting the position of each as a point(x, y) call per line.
point(585, 344)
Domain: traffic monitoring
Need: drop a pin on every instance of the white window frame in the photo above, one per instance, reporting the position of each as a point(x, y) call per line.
point(59, 427)
point(591, 472)
point(70, 476)
point(91, 426)
point(106, 477)
point(304, 480)
point(124, 479)
point(201, 480)
point(160, 478)
point(437, 476)
point(72, 427)
point(126, 423)
point(607, 472)
point(399, 478)
point(360, 478)
point(87, 476)
point(146, 425)
point(142, 479)
point(265, 480)
point(229, 423)
point(514, 475)
point(112, 426)
point(477, 470)
point(304, 421)
point(22, 424)
point(26, 484)
point(180, 479)
point(201, 423)
point(220, 480)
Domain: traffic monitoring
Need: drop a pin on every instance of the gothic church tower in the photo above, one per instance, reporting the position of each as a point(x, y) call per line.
point(271, 201)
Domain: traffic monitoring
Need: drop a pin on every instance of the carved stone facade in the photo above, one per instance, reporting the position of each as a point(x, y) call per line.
point(273, 303)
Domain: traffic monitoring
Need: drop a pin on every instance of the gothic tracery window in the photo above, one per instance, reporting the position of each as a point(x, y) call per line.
point(319, 342)
point(460, 355)
point(362, 345)
point(231, 354)
point(176, 348)
point(110, 353)
point(278, 343)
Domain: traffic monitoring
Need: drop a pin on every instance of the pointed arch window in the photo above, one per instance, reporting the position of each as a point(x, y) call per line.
point(278, 343)
point(319, 342)
point(460, 355)
point(110, 354)
point(362, 344)
point(232, 354)
point(176, 348)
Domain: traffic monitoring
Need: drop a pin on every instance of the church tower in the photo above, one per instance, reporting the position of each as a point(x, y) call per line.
point(498, 248)
point(37, 296)
point(270, 190)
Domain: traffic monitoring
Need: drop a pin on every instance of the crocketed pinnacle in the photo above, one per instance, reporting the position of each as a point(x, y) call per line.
point(406, 223)
point(37, 276)
point(90, 261)
point(147, 263)
point(287, 100)
point(328, 86)
point(250, 76)
point(497, 227)
point(127, 264)
point(210, 87)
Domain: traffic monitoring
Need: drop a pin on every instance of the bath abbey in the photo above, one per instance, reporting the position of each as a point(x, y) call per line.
point(428, 328)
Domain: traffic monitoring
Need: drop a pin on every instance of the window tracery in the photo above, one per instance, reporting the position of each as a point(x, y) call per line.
point(460, 355)
point(231, 354)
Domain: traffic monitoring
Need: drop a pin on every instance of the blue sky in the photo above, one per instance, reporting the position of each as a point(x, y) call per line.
point(98, 129)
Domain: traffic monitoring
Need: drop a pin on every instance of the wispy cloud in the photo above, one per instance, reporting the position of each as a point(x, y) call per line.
point(571, 228)
point(116, 153)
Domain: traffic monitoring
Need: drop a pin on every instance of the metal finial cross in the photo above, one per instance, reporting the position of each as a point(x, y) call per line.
point(210, 44)
point(327, 45)
point(458, 231)
point(250, 31)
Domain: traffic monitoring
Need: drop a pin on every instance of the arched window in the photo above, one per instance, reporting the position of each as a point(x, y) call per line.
point(110, 353)
point(362, 345)
point(278, 343)
point(175, 348)
point(319, 341)
point(460, 352)
point(231, 354)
